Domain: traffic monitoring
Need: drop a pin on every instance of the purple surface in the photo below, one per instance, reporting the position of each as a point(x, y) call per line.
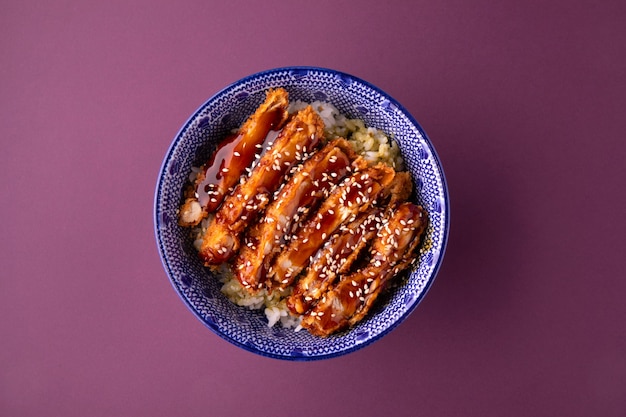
point(524, 102)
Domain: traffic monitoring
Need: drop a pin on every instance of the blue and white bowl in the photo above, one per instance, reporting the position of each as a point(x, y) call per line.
point(200, 289)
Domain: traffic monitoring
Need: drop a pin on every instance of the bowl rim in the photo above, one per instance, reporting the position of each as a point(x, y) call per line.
point(446, 201)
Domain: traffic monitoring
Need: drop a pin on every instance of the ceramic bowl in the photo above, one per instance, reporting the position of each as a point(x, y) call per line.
point(196, 285)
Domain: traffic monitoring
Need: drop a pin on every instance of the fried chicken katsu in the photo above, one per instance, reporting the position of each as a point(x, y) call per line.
point(233, 156)
point(392, 251)
point(334, 258)
point(239, 209)
point(302, 217)
point(300, 195)
point(353, 196)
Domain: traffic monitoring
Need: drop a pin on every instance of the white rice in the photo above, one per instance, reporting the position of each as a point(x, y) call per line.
point(373, 144)
point(274, 304)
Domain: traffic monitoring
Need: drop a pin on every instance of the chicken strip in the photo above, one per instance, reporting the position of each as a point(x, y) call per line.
point(305, 189)
point(301, 134)
point(233, 156)
point(392, 251)
point(334, 258)
point(353, 196)
point(337, 255)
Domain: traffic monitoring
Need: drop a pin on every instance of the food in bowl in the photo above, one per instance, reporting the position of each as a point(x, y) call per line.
point(304, 213)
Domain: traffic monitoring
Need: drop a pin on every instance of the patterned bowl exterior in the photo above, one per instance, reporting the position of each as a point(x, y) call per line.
point(200, 290)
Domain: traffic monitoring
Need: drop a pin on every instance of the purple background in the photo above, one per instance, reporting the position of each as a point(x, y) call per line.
point(525, 103)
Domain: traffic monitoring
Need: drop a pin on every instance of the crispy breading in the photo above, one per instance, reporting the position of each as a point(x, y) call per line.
point(304, 190)
point(392, 251)
point(353, 196)
point(301, 135)
point(334, 258)
point(232, 157)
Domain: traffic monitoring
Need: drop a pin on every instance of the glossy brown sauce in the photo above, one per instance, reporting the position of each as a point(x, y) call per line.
point(306, 189)
point(231, 158)
point(328, 221)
